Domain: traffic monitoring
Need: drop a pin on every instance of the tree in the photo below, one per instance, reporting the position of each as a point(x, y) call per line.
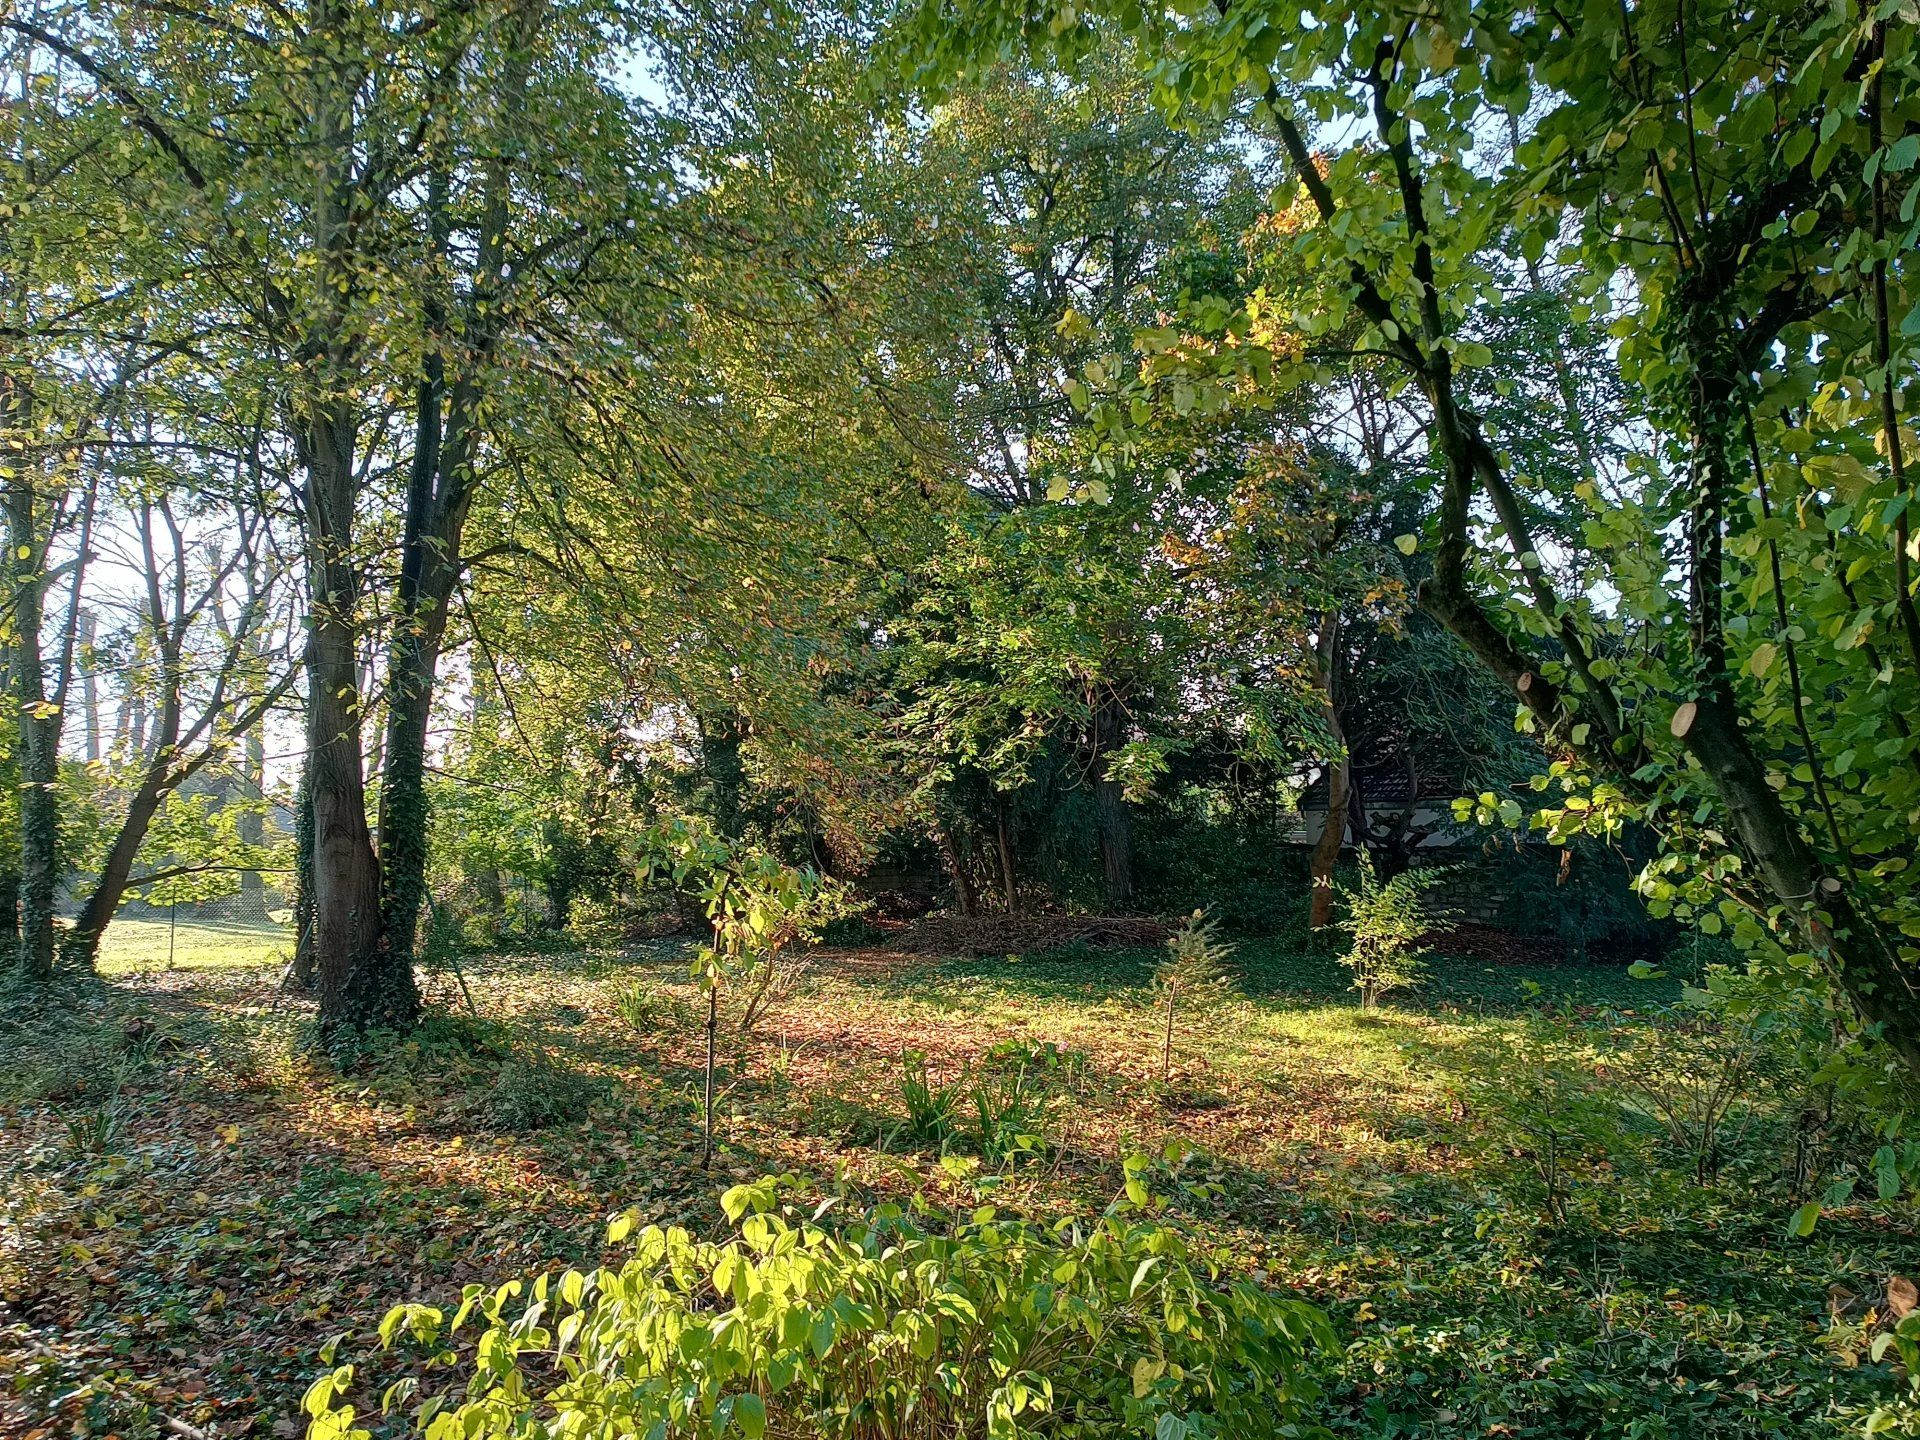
point(376, 208)
point(209, 676)
point(1189, 976)
point(1724, 178)
point(59, 401)
point(758, 906)
point(1387, 921)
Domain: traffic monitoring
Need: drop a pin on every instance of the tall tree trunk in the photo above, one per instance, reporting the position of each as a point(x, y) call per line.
point(90, 685)
point(250, 828)
point(439, 493)
point(1114, 817)
point(403, 793)
point(363, 981)
point(1009, 887)
point(37, 722)
point(1333, 830)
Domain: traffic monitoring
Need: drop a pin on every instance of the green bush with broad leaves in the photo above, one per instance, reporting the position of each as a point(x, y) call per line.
point(989, 1327)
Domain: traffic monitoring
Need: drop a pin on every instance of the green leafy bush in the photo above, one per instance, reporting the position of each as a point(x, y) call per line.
point(997, 1108)
point(1551, 1128)
point(1010, 1111)
point(932, 1108)
point(651, 1009)
point(531, 1094)
point(995, 1328)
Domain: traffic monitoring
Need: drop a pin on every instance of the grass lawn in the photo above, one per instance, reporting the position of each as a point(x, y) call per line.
point(138, 947)
point(196, 1204)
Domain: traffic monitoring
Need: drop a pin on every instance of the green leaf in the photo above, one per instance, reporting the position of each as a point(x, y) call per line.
point(751, 1413)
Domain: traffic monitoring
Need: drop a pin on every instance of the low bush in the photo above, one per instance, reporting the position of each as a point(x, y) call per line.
point(992, 1327)
point(1548, 1126)
point(933, 1108)
point(653, 1009)
point(531, 1094)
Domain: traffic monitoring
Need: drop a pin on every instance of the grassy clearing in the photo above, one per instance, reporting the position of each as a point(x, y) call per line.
point(141, 947)
point(197, 1205)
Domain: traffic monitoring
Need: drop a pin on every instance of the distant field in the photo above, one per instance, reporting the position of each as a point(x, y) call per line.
point(140, 946)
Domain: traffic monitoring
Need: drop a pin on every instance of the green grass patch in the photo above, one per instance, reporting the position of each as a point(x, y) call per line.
point(137, 947)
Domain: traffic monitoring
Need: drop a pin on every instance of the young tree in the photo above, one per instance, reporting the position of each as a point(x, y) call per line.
point(1190, 976)
point(758, 906)
point(1387, 920)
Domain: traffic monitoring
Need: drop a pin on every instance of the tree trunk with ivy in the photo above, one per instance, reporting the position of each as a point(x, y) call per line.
point(36, 719)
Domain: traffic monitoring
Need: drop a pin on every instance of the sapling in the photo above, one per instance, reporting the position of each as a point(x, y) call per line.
point(1191, 975)
point(758, 906)
point(1387, 920)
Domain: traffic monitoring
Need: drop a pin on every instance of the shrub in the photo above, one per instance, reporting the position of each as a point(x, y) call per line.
point(1539, 1104)
point(995, 1328)
point(1010, 1115)
point(533, 1094)
point(997, 1108)
point(1695, 1071)
point(1386, 920)
point(650, 1008)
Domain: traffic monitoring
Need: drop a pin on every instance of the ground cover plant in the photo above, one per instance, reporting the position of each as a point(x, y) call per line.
point(206, 1214)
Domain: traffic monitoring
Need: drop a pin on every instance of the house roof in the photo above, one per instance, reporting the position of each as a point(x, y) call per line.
point(1387, 784)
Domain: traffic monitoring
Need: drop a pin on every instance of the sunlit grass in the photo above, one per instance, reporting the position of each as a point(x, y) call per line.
point(133, 947)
